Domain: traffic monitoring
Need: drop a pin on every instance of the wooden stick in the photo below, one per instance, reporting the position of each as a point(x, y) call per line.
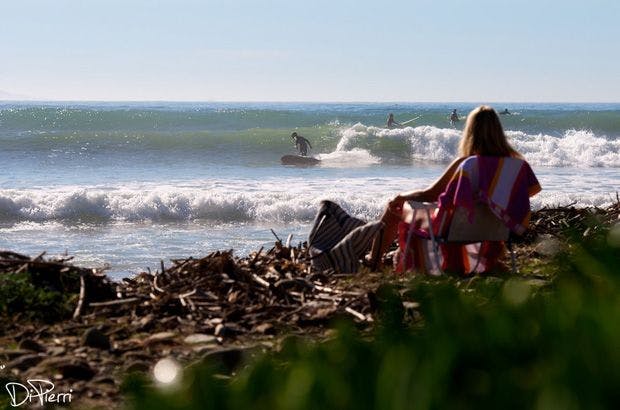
point(355, 313)
point(114, 302)
point(256, 256)
point(78, 308)
point(276, 235)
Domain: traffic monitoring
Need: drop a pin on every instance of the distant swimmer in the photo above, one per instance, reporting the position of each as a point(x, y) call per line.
point(454, 117)
point(301, 144)
point(505, 112)
point(391, 123)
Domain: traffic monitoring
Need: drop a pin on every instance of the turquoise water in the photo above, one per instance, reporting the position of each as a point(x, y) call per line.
point(130, 184)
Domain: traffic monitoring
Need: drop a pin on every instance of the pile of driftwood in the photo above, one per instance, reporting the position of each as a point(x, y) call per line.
point(560, 221)
point(262, 293)
point(225, 296)
point(216, 306)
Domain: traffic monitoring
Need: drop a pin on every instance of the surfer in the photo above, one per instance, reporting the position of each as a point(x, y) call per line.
point(391, 123)
point(505, 112)
point(301, 144)
point(454, 117)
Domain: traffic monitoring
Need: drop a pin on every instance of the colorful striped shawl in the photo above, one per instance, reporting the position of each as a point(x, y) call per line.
point(504, 183)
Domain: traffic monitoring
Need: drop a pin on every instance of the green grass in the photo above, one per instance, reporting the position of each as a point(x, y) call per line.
point(486, 342)
point(22, 297)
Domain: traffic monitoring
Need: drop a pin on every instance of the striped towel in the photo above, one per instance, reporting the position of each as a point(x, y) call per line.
point(504, 183)
point(338, 241)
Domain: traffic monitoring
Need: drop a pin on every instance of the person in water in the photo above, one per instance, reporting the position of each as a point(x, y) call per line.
point(301, 144)
point(454, 117)
point(391, 123)
point(505, 112)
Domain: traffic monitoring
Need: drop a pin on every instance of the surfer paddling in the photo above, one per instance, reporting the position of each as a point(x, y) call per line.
point(391, 123)
point(301, 144)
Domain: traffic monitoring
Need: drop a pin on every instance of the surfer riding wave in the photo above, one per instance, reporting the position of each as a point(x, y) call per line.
point(301, 144)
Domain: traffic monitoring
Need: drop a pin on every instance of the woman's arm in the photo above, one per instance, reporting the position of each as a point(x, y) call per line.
point(431, 193)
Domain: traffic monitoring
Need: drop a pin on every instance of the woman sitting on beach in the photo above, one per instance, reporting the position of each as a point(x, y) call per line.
point(483, 146)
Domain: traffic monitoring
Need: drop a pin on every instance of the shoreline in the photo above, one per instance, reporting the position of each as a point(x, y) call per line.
point(217, 309)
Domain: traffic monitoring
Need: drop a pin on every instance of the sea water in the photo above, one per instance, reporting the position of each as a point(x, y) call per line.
point(126, 185)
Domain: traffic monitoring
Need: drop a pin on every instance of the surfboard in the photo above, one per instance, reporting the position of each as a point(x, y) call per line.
point(299, 160)
point(408, 121)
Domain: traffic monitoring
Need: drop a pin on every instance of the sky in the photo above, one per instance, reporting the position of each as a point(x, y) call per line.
point(313, 50)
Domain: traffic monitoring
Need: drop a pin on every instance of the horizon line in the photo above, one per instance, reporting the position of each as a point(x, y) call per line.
point(32, 100)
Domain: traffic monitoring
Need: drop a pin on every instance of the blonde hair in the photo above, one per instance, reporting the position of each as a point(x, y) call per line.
point(483, 135)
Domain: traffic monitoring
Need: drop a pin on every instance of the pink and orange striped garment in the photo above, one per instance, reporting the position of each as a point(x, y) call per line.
point(505, 184)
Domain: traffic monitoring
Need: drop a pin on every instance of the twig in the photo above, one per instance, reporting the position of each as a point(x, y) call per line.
point(276, 235)
point(260, 280)
point(256, 256)
point(355, 313)
point(114, 302)
point(78, 308)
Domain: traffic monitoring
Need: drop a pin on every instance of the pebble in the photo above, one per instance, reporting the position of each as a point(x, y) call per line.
point(199, 338)
point(94, 337)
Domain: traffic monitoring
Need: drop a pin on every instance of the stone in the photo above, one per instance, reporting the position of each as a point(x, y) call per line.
point(29, 344)
point(265, 328)
point(77, 370)
point(94, 337)
point(56, 351)
point(548, 245)
point(199, 338)
point(137, 366)
point(160, 337)
point(25, 361)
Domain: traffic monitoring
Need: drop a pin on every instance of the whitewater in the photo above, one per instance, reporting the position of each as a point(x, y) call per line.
point(128, 185)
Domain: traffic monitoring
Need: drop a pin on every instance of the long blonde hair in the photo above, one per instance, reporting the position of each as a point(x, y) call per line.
point(483, 135)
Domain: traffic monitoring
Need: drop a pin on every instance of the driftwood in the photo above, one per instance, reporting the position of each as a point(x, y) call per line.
point(275, 287)
point(195, 306)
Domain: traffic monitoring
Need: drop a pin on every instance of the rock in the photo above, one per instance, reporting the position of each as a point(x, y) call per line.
point(204, 348)
point(56, 351)
point(548, 245)
point(137, 366)
point(199, 338)
point(94, 337)
point(230, 358)
point(104, 380)
point(265, 328)
point(13, 353)
point(146, 323)
point(25, 362)
point(77, 370)
point(29, 344)
point(160, 337)
point(227, 330)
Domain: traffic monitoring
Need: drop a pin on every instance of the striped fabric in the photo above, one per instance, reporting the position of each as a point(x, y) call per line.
point(338, 241)
point(505, 184)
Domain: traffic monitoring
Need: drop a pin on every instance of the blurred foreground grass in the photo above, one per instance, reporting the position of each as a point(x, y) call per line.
point(487, 342)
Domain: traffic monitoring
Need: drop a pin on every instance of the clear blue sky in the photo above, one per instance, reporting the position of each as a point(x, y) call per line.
point(313, 50)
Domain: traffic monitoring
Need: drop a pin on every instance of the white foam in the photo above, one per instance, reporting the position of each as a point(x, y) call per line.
point(575, 148)
point(269, 200)
point(578, 148)
point(346, 159)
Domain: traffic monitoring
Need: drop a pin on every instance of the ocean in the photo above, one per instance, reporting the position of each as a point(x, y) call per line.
point(125, 185)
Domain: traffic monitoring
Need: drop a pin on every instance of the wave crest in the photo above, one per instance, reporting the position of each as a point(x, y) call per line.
point(575, 148)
